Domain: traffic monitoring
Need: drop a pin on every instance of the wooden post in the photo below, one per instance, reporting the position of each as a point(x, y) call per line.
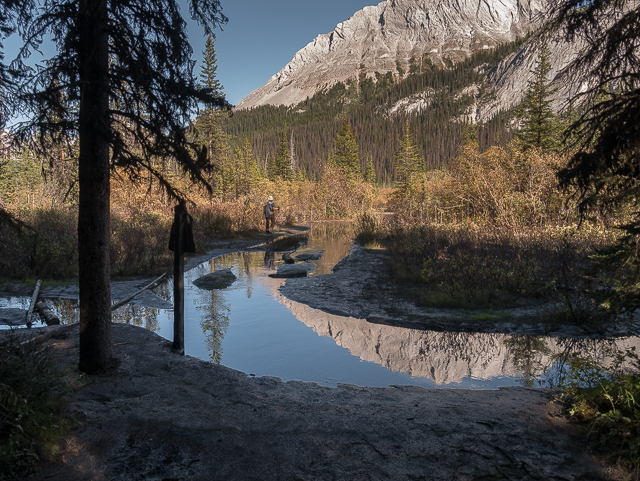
point(179, 222)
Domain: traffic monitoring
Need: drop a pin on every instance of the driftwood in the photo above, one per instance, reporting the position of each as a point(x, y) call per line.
point(34, 298)
point(148, 286)
point(49, 317)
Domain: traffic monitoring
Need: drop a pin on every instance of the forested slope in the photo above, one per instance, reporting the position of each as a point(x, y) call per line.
point(377, 109)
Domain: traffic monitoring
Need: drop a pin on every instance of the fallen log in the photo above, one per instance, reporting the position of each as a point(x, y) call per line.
point(34, 298)
point(49, 317)
point(148, 286)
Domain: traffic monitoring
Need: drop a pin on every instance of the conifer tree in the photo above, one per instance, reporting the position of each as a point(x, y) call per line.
point(247, 173)
point(121, 84)
point(370, 172)
point(271, 168)
point(208, 73)
point(604, 169)
point(407, 158)
point(283, 159)
point(209, 123)
point(223, 177)
point(539, 124)
point(345, 149)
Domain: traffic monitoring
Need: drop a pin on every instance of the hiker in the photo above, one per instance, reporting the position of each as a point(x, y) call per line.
point(269, 214)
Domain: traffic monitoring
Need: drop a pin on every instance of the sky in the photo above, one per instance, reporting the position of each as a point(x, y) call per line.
point(262, 36)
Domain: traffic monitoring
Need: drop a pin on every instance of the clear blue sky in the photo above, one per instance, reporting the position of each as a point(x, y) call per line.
point(260, 38)
point(263, 36)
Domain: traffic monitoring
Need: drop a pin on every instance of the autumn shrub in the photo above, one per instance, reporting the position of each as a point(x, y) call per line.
point(139, 244)
point(32, 399)
point(213, 221)
point(503, 185)
point(335, 197)
point(368, 228)
point(476, 265)
point(47, 249)
point(509, 186)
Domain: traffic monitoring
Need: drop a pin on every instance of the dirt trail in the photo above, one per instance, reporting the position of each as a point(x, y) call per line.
point(159, 416)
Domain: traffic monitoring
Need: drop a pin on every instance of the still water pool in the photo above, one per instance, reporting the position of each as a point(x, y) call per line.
point(252, 328)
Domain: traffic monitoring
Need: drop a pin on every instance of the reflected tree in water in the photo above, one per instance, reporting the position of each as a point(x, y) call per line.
point(164, 290)
point(66, 310)
point(335, 238)
point(571, 352)
point(270, 260)
point(214, 322)
point(531, 356)
point(140, 316)
point(454, 355)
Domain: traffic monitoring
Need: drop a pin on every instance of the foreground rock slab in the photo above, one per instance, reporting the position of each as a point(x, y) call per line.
point(162, 416)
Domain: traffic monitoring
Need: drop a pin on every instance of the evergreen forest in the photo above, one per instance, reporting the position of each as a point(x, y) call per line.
point(439, 129)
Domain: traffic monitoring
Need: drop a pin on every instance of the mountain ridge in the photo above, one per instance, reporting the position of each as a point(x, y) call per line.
point(385, 37)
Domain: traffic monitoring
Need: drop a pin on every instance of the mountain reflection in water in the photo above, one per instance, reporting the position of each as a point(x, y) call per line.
point(450, 357)
point(251, 327)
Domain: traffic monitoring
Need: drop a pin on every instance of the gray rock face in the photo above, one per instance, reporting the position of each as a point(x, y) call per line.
point(314, 256)
point(510, 78)
point(216, 280)
point(294, 270)
point(378, 38)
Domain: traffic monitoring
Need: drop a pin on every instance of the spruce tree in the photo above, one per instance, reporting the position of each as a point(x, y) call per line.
point(208, 73)
point(283, 159)
point(345, 149)
point(370, 172)
point(209, 123)
point(605, 138)
point(121, 84)
point(246, 169)
point(539, 124)
point(407, 159)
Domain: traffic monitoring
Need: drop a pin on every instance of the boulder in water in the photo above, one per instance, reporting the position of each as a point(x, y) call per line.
point(313, 256)
point(216, 280)
point(287, 258)
point(294, 270)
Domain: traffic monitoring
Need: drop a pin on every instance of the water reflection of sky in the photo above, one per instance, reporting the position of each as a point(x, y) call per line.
point(251, 328)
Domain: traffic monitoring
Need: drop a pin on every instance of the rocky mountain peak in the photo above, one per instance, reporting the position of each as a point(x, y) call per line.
point(389, 35)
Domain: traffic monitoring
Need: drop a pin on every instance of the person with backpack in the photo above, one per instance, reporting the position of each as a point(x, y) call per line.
point(269, 214)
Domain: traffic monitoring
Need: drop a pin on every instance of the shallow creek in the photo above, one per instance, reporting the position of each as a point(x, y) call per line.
point(252, 328)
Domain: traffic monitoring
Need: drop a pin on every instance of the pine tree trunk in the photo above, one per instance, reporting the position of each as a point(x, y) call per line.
point(94, 201)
